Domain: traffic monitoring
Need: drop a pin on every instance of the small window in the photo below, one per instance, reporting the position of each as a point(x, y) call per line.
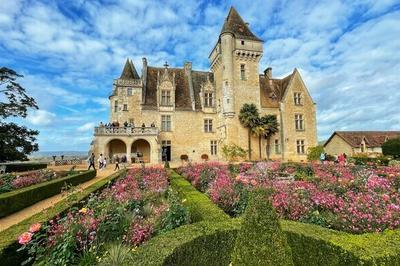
point(165, 143)
point(297, 98)
point(242, 72)
point(115, 106)
point(213, 147)
point(299, 122)
point(242, 42)
point(207, 125)
point(300, 146)
point(208, 99)
point(125, 107)
point(129, 92)
point(165, 97)
point(166, 123)
point(277, 147)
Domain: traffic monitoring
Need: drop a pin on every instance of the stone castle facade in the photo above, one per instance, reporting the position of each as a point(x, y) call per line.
point(169, 112)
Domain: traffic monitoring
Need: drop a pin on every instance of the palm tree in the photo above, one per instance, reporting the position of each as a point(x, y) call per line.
point(270, 125)
point(248, 117)
point(259, 131)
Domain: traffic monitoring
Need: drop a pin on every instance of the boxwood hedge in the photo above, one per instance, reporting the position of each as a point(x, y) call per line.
point(8, 243)
point(19, 199)
point(21, 167)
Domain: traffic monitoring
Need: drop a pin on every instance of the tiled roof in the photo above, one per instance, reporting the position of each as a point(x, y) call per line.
point(272, 90)
point(235, 24)
point(129, 71)
point(182, 92)
point(372, 138)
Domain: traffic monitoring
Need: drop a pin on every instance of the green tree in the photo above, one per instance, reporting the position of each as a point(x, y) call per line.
point(232, 152)
point(248, 117)
point(261, 240)
point(314, 153)
point(271, 127)
point(16, 142)
point(392, 148)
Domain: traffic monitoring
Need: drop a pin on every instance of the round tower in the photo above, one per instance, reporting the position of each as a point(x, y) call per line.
point(227, 40)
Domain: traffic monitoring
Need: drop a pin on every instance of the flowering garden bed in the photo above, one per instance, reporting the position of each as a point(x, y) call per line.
point(355, 199)
point(126, 214)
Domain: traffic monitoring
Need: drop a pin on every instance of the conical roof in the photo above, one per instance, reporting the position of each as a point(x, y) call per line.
point(235, 24)
point(129, 71)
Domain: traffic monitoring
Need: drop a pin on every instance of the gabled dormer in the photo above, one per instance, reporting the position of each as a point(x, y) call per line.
point(208, 96)
point(166, 89)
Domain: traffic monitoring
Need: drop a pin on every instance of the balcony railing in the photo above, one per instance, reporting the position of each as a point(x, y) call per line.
point(125, 131)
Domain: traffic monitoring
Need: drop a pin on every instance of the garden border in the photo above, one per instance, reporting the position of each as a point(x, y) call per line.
point(8, 237)
point(22, 167)
point(310, 244)
point(19, 199)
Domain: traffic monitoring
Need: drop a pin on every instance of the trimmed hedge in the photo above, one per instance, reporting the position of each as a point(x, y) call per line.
point(8, 243)
point(199, 205)
point(22, 167)
point(19, 199)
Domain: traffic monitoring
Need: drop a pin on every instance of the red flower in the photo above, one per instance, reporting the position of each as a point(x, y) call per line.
point(25, 238)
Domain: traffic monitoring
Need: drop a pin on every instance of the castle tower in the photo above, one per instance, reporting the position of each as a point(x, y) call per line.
point(234, 62)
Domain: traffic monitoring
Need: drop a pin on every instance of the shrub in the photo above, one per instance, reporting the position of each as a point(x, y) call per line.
point(16, 200)
point(314, 153)
point(392, 147)
point(394, 163)
point(261, 241)
point(233, 152)
point(22, 167)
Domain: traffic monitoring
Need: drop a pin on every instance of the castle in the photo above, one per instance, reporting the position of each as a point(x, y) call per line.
point(169, 113)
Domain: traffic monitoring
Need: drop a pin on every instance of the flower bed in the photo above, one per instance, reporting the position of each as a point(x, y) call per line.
point(354, 199)
point(131, 211)
point(10, 182)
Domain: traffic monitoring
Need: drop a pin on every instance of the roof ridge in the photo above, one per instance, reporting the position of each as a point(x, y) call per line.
point(235, 24)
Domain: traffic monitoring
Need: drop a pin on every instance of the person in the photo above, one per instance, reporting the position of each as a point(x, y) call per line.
point(104, 162)
point(143, 125)
point(126, 124)
point(100, 161)
point(116, 163)
point(101, 124)
point(152, 124)
point(91, 161)
point(341, 159)
point(322, 157)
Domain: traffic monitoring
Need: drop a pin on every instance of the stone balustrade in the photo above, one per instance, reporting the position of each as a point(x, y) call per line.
point(125, 131)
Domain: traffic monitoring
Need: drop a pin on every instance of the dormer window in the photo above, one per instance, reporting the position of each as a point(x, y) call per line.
point(297, 98)
point(243, 72)
point(165, 97)
point(208, 99)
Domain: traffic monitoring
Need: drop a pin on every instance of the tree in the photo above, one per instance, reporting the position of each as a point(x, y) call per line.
point(16, 142)
point(248, 117)
point(259, 131)
point(314, 153)
point(233, 152)
point(271, 127)
point(261, 241)
point(392, 148)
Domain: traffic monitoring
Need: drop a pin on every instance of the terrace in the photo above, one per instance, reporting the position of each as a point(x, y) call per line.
point(125, 131)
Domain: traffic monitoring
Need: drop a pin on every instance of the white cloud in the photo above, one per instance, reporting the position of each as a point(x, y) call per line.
point(41, 118)
point(86, 127)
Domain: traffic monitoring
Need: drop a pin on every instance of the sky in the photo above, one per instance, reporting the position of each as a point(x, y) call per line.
point(70, 51)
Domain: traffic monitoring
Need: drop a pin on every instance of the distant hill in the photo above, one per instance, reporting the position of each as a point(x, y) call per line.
point(45, 154)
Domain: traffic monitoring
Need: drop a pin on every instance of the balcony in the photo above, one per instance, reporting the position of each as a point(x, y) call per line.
point(125, 131)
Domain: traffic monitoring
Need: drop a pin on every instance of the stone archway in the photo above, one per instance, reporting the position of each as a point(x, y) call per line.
point(116, 147)
point(141, 147)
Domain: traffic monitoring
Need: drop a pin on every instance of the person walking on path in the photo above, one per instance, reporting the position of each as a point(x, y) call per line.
point(116, 163)
point(100, 161)
point(91, 162)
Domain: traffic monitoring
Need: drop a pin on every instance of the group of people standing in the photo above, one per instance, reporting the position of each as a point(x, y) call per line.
point(102, 162)
point(126, 124)
point(341, 158)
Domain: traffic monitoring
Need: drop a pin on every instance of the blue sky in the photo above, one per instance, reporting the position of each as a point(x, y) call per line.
point(70, 52)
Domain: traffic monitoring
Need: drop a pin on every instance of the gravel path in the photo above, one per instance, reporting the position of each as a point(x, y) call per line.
point(21, 215)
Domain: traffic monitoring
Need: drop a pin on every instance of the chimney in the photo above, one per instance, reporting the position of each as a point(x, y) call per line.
point(268, 72)
point(188, 67)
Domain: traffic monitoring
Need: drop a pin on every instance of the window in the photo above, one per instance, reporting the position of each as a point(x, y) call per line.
point(129, 92)
point(242, 42)
point(207, 125)
point(165, 143)
point(166, 123)
point(300, 146)
point(277, 147)
point(165, 97)
point(125, 107)
point(213, 147)
point(115, 106)
point(297, 98)
point(208, 99)
point(242, 72)
point(299, 122)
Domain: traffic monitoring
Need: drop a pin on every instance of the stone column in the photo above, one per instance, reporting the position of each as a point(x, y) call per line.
point(128, 152)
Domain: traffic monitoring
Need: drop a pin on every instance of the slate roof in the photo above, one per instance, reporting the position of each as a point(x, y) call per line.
point(129, 71)
point(372, 138)
point(272, 90)
point(235, 24)
point(182, 93)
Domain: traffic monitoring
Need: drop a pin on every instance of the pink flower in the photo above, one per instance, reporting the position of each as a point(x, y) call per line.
point(25, 238)
point(385, 197)
point(35, 227)
point(253, 182)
